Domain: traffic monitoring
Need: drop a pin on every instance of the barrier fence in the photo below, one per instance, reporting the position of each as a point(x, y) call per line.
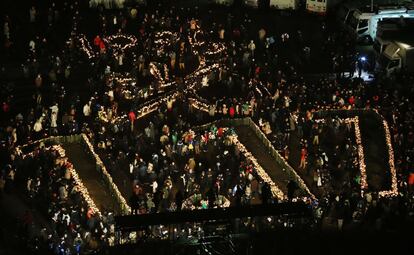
point(125, 209)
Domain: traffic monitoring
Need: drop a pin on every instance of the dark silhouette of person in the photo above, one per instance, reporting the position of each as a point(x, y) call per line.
point(266, 193)
point(292, 187)
point(211, 197)
point(179, 200)
point(239, 195)
point(134, 204)
point(360, 65)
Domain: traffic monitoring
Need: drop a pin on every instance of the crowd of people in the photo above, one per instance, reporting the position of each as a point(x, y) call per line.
point(283, 104)
point(100, 88)
point(166, 167)
point(45, 176)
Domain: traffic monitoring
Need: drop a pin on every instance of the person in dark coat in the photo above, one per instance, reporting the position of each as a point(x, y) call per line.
point(211, 197)
point(266, 193)
point(179, 200)
point(239, 194)
point(292, 187)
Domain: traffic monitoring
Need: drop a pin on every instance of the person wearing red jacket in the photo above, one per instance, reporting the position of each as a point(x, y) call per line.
point(102, 46)
point(411, 179)
point(220, 132)
point(5, 107)
point(231, 112)
point(97, 41)
point(351, 100)
point(132, 117)
point(303, 156)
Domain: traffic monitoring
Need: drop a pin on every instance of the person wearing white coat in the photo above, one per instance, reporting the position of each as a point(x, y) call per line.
point(87, 109)
point(54, 115)
point(252, 47)
point(154, 186)
point(38, 127)
point(204, 81)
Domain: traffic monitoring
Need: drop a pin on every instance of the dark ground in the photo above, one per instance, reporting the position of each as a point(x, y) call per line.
point(376, 154)
point(13, 209)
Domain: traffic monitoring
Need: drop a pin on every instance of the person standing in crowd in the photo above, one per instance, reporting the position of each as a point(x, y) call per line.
point(252, 47)
point(181, 62)
point(53, 119)
point(38, 81)
point(303, 157)
point(32, 14)
point(292, 187)
point(172, 56)
point(87, 111)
